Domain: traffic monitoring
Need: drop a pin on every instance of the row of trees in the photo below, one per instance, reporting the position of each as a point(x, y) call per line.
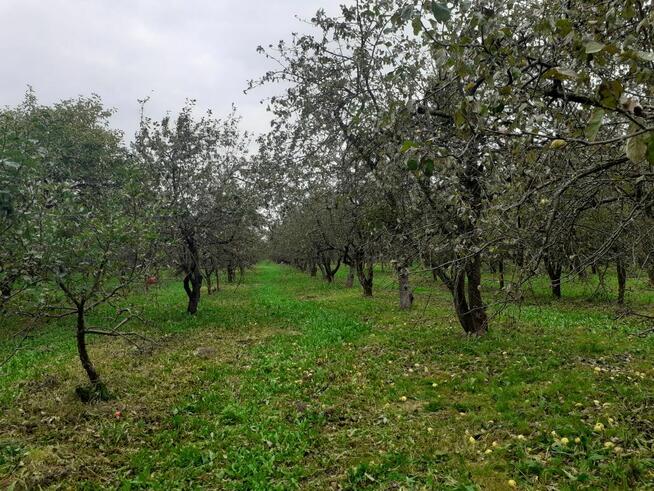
point(451, 134)
point(84, 219)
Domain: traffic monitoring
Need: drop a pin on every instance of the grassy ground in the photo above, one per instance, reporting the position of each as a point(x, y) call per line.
point(285, 382)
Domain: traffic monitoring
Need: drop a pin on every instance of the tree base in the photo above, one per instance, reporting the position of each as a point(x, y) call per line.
point(93, 393)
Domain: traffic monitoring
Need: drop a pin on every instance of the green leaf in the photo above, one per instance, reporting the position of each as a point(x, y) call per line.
point(593, 46)
point(637, 148)
point(459, 118)
point(417, 25)
point(408, 145)
point(428, 167)
point(560, 73)
point(412, 164)
point(610, 93)
point(564, 26)
point(650, 149)
point(594, 124)
point(440, 11)
point(558, 143)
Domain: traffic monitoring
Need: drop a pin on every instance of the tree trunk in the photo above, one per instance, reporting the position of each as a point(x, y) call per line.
point(554, 272)
point(327, 272)
point(193, 278)
point(406, 295)
point(5, 295)
point(650, 276)
point(314, 269)
point(365, 274)
point(475, 302)
point(192, 286)
point(470, 311)
point(349, 281)
point(500, 269)
point(84, 358)
point(217, 289)
point(231, 274)
point(622, 279)
point(207, 277)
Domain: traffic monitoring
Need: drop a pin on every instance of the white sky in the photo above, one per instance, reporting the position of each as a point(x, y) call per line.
point(124, 50)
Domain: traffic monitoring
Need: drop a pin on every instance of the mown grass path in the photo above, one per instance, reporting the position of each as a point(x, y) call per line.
point(285, 382)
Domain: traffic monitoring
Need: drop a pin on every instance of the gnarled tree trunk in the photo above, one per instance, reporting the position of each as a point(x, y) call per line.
point(554, 268)
point(192, 287)
point(406, 295)
point(365, 274)
point(468, 303)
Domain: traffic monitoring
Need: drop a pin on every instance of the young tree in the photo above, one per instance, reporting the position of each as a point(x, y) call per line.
point(191, 163)
point(89, 219)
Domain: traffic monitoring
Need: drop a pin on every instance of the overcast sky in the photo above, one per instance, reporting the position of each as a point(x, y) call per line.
point(124, 50)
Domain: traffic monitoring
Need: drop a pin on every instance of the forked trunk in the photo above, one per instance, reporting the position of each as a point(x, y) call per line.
point(192, 286)
point(470, 310)
point(365, 274)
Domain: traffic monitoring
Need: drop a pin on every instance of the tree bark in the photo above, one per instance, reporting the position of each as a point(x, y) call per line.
point(365, 274)
point(650, 275)
point(84, 358)
point(475, 302)
point(500, 269)
point(622, 279)
point(406, 295)
point(554, 272)
point(328, 273)
point(193, 278)
point(349, 281)
point(470, 311)
point(207, 277)
point(192, 286)
point(231, 274)
point(5, 295)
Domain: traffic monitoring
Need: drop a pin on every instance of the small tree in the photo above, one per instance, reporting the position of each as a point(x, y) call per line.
point(88, 216)
point(190, 164)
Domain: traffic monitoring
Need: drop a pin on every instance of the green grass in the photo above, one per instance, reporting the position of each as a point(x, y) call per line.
point(308, 385)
